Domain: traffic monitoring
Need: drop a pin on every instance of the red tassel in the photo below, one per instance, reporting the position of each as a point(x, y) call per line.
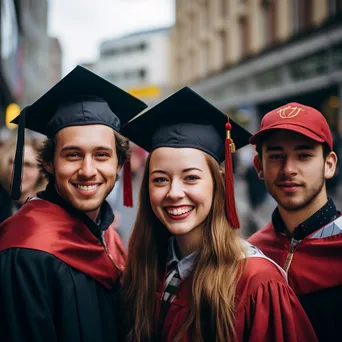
point(127, 184)
point(230, 197)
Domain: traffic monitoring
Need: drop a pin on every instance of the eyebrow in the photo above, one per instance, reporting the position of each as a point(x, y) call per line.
point(77, 148)
point(185, 170)
point(297, 148)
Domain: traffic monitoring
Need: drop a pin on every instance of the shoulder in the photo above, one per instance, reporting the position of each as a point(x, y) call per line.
point(264, 235)
point(259, 273)
point(36, 225)
point(260, 269)
point(32, 270)
point(260, 279)
point(28, 255)
point(36, 209)
point(17, 258)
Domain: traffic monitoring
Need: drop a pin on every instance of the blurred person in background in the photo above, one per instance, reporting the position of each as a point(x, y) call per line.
point(60, 261)
point(254, 212)
point(295, 158)
point(5, 135)
point(125, 216)
point(257, 199)
point(32, 180)
point(189, 276)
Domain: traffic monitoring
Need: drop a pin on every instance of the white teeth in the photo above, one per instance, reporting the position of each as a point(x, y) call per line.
point(179, 211)
point(87, 187)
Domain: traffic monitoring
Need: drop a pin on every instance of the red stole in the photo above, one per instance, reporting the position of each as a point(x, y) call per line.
point(47, 227)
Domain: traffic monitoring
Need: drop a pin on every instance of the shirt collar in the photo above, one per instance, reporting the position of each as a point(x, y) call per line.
point(105, 218)
point(184, 265)
point(319, 219)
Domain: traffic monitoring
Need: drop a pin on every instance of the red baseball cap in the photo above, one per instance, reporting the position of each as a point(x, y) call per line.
point(297, 118)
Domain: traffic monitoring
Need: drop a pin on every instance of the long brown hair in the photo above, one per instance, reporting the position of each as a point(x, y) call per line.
point(214, 276)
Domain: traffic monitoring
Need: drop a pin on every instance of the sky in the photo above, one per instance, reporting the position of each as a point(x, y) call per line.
point(80, 25)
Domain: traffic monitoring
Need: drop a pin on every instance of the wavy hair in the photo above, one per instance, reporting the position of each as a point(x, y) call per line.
point(214, 277)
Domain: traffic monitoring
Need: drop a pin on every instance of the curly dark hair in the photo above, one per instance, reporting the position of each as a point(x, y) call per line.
point(46, 153)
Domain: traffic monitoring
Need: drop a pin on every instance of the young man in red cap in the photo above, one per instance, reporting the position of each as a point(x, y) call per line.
point(295, 158)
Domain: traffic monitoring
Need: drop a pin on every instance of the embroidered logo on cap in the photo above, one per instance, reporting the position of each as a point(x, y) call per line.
point(289, 112)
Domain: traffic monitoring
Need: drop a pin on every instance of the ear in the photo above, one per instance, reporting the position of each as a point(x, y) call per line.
point(258, 167)
point(49, 167)
point(330, 165)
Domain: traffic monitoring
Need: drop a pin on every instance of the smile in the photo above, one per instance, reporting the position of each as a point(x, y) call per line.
point(87, 187)
point(178, 211)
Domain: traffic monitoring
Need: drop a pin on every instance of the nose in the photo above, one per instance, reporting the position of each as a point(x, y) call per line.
point(87, 168)
point(289, 167)
point(176, 191)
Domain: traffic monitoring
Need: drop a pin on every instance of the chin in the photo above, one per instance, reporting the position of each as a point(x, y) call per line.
point(178, 230)
point(292, 205)
point(86, 207)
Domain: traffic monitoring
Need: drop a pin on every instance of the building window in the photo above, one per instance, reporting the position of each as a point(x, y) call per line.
point(204, 59)
point(335, 7)
point(243, 36)
point(206, 13)
point(306, 13)
point(268, 79)
point(309, 66)
point(295, 16)
point(301, 15)
point(268, 19)
point(142, 46)
point(337, 56)
point(223, 8)
point(142, 74)
point(110, 52)
point(222, 47)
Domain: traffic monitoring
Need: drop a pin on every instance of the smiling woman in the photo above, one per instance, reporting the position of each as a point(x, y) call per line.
point(189, 276)
point(181, 192)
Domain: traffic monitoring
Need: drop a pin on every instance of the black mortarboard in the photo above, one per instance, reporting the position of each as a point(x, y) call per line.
point(80, 98)
point(185, 119)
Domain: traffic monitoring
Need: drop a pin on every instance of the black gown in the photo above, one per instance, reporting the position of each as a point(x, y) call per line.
point(44, 299)
point(43, 296)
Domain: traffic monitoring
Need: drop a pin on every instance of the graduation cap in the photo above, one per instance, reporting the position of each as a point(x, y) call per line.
point(185, 119)
point(80, 98)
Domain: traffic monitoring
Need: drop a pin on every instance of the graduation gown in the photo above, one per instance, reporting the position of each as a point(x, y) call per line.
point(314, 272)
point(266, 309)
point(58, 281)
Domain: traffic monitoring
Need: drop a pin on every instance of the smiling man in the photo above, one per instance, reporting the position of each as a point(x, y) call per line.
point(295, 158)
point(60, 259)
